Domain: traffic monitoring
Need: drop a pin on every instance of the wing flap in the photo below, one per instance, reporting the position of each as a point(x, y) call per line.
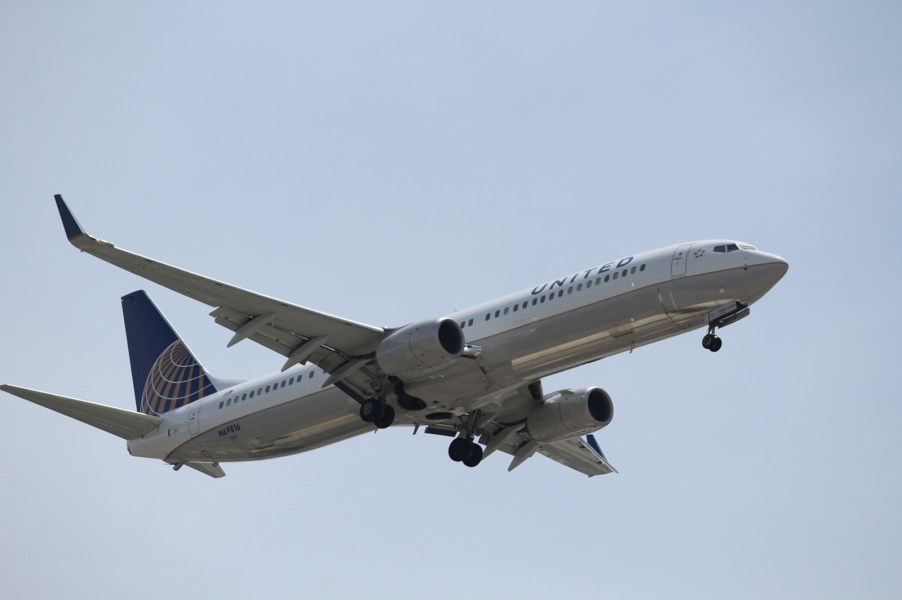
point(122, 423)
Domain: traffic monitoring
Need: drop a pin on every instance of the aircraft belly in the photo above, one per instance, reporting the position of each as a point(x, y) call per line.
point(295, 426)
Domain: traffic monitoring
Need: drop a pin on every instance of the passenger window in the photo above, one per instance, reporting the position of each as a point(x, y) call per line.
point(221, 404)
point(607, 278)
point(641, 268)
point(534, 301)
point(283, 383)
point(560, 294)
point(463, 324)
point(616, 273)
point(588, 284)
point(632, 271)
point(525, 303)
point(488, 316)
point(570, 290)
point(470, 323)
point(579, 287)
point(229, 402)
point(516, 307)
point(542, 299)
point(497, 313)
point(244, 396)
point(506, 310)
point(252, 393)
point(291, 381)
point(311, 375)
point(259, 391)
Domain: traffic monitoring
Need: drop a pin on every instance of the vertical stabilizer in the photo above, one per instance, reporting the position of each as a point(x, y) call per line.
point(164, 372)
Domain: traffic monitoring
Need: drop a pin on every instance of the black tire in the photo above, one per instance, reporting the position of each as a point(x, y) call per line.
point(718, 343)
point(459, 449)
point(708, 341)
point(370, 411)
point(387, 417)
point(475, 455)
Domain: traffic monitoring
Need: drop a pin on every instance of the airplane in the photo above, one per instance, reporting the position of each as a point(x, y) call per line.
point(474, 375)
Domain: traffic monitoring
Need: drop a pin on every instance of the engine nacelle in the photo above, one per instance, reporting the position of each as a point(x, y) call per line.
point(421, 347)
point(570, 413)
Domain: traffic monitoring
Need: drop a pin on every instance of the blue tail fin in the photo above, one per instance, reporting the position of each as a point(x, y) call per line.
point(165, 373)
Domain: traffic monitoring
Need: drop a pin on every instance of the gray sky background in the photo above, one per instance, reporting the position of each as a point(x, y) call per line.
point(394, 161)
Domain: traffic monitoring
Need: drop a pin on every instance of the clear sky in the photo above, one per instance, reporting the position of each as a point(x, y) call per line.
point(388, 162)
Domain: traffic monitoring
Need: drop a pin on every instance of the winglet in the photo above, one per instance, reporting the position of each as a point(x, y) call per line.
point(73, 229)
point(590, 439)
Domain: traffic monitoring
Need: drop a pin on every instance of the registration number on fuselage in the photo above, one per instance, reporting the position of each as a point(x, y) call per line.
point(229, 430)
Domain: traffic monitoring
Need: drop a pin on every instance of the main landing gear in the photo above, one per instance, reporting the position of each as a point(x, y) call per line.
point(465, 450)
point(378, 413)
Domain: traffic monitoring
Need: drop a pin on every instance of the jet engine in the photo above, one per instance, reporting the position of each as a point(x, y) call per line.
point(421, 347)
point(570, 413)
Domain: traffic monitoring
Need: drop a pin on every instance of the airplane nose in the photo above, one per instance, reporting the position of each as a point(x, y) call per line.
point(770, 268)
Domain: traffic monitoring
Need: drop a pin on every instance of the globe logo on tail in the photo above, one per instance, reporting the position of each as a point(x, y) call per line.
point(176, 379)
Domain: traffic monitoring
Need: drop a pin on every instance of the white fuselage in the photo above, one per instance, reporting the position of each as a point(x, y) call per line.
point(555, 326)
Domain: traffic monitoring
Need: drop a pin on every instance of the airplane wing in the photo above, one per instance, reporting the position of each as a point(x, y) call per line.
point(334, 344)
point(122, 423)
point(584, 455)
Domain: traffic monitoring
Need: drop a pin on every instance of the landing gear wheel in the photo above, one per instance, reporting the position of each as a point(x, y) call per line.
point(370, 410)
point(475, 455)
point(459, 449)
point(386, 418)
point(378, 413)
point(712, 342)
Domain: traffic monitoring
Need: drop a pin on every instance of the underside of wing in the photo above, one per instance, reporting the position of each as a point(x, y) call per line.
point(580, 454)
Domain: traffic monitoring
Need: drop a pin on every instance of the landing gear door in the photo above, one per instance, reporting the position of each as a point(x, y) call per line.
point(678, 265)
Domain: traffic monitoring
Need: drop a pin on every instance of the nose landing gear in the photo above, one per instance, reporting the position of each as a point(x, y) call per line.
point(721, 317)
point(711, 342)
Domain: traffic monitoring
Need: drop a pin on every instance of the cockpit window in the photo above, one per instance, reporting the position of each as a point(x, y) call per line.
point(747, 247)
point(731, 247)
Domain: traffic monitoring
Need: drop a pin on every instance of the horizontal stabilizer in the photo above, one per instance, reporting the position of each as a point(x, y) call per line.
point(122, 423)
